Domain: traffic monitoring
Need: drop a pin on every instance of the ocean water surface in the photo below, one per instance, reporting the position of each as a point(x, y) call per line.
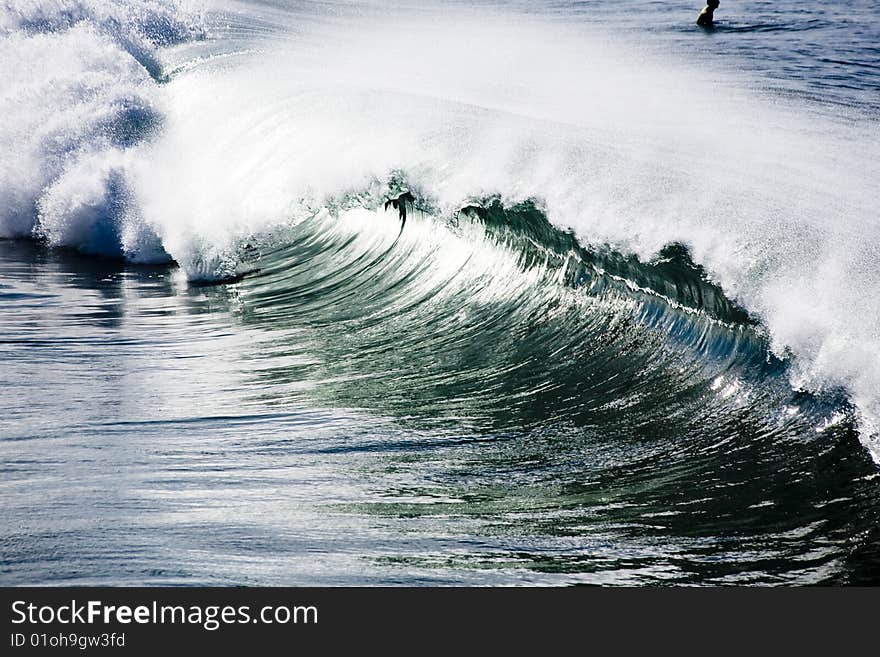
point(628, 334)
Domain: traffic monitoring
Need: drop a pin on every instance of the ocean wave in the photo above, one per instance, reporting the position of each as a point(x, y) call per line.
point(477, 323)
point(632, 153)
point(79, 98)
point(139, 27)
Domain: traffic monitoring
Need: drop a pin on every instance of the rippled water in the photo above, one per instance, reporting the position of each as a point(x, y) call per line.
point(483, 395)
point(337, 422)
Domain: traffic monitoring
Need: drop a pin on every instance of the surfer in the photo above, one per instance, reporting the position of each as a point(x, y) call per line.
point(708, 14)
point(399, 204)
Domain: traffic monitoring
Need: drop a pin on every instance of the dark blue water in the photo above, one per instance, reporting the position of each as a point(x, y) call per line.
point(824, 51)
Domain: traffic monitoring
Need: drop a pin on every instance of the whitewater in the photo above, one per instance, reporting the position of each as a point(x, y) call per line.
point(196, 134)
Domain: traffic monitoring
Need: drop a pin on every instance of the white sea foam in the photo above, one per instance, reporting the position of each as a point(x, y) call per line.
point(78, 97)
point(776, 199)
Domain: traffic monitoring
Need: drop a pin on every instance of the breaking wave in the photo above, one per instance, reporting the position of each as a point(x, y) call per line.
point(225, 138)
